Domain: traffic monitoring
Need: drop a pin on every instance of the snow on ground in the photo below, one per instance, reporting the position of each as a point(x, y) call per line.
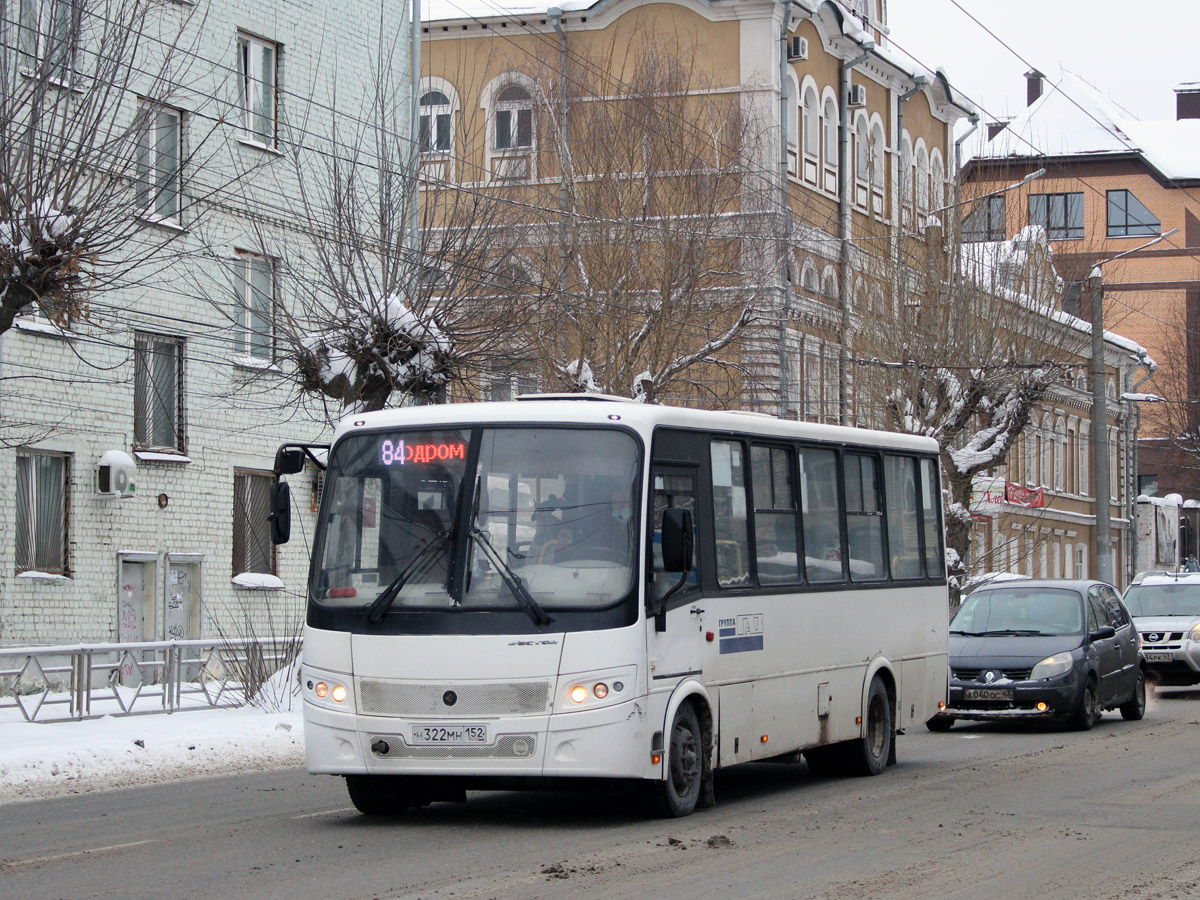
point(39, 760)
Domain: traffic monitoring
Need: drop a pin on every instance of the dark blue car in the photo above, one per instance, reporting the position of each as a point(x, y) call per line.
point(1045, 648)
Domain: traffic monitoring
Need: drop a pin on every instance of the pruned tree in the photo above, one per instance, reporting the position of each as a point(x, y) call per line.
point(90, 150)
point(971, 358)
point(657, 257)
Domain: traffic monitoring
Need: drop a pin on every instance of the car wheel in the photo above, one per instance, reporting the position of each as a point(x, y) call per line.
point(869, 754)
point(1135, 707)
point(383, 795)
point(1087, 712)
point(940, 723)
point(676, 796)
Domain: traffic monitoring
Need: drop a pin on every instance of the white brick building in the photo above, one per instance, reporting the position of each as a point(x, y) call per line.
point(176, 368)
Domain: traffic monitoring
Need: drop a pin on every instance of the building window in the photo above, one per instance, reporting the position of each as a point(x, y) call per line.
point(435, 122)
point(256, 297)
point(253, 550)
point(1127, 217)
point(257, 61)
point(514, 118)
point(159, 162)
point(41, 516)
point(922, 180)
point(831, 125)
point(1060, 214)
point(986, 221)
point(811, 128)
point(158, 393)
point(862, 152)
point(47, 33)
point(877, 157)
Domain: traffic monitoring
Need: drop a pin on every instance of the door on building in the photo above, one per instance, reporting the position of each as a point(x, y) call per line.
point(182, 600)
point(136, 594)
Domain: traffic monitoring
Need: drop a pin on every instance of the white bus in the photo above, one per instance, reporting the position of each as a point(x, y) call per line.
point(516, 593)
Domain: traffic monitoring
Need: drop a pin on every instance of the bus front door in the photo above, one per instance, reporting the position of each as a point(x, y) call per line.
point(675, 652)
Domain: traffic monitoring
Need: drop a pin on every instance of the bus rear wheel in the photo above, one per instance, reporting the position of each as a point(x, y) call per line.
point(676, 796)
point(870, 753)
point(383, 795)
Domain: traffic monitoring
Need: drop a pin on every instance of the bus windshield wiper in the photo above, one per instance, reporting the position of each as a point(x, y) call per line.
point(418, 565)
point(510, 578)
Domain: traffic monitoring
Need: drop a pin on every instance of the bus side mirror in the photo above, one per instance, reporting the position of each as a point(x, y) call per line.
point(289, 461)
point(281, 512)
point(677, 539)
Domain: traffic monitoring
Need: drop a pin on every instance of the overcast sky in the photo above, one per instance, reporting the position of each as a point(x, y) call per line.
point(1134, 52)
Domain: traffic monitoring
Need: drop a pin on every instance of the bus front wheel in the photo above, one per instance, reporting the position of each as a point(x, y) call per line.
point(383, 795)
point(871, 752)
point(676, 796)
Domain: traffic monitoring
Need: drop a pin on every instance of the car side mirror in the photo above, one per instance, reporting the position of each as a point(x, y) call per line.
point(1103, 633)
point(677, 547)
point(280, 516)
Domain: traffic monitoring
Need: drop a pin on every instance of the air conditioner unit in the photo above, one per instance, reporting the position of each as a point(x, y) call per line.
point(858, 96)
point(116, 474)
point(797, 49)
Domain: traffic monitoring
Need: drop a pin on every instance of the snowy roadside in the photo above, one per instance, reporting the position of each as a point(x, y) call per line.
point(53, 759)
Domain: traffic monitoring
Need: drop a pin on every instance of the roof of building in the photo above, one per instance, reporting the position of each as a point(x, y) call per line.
point(1072, 118)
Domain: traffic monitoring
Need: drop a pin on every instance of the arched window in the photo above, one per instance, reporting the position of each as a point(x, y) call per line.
point(862, 156)
point(1047, 452)
point(513, 118)
point(812, 138)
point(435, 122)
point(831, 126)
point(808, 277)
point(906, 175)
point(877, 157)
point(1085, 450)
point(1060, 454)
point(922, 180)
point(937, 179)
point(793, 111)
point(829, 283)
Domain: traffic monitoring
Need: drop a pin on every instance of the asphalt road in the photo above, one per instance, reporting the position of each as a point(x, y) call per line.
point(983, 811)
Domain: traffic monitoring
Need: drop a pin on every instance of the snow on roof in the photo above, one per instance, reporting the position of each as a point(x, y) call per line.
point(1072, 118)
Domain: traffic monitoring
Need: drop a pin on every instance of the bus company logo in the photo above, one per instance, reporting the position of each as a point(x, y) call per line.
point(532, 643)
point(742, 633)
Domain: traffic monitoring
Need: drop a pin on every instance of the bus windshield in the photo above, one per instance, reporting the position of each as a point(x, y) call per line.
point(536, 518)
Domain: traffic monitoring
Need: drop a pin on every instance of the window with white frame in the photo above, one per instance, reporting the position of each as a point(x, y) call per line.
point(158, 392)
point(436, 122)
point(877, 157)
point(257, 83)
point(507, 380)
point(829, 284)
point(1046, 442)
point(1060, 455)
point(47, 34)
point(1081, 561)
point(830, 125)
point(255, 283)
point(253, 550)
point(862, 154)
point(1085, 450)
point(159, 158)
point(513, 119)
point(922, 180)
point(937, 180)
point(809, 280)
point(812, 137)
point(43, 485)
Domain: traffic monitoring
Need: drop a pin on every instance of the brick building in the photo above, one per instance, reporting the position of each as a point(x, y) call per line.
point(174, 369)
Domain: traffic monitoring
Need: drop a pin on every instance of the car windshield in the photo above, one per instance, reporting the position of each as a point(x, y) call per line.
point(1175, 599)
point(478, 518)
point(1020, 610)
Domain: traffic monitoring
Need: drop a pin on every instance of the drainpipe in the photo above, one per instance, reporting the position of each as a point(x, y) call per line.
point(845, 183)
point(919, 82)
point(555, 15)
point(785, 206)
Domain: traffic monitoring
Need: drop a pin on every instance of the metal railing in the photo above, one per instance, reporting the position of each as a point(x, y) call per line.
point(81, 681)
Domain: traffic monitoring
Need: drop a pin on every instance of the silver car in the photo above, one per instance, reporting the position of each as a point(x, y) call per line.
point(1166, 613)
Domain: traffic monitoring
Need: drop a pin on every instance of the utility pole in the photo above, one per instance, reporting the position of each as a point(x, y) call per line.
point(1094, 288)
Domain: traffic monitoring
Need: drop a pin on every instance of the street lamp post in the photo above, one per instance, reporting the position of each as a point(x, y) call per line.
point(1094, 287)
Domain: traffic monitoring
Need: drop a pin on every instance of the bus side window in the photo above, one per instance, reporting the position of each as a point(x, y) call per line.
point(931, 506)
point(821, 515)
point(864, 517)
point(731, 526)
point(776, 530)
point(671, 488)
point(904, 537)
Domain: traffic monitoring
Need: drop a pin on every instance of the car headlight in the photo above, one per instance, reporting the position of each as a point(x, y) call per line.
point(1058, 664)
point(1194, 634)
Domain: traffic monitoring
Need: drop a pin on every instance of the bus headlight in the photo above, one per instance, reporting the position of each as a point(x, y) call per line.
point(327, 689)
point(592, 689)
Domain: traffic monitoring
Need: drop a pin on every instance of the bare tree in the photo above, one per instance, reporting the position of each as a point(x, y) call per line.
point(90, 150)
point(657, 261)
point(969, 360)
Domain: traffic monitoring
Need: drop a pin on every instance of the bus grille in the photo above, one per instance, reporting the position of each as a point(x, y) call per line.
point(509, 746)
point(514, 698)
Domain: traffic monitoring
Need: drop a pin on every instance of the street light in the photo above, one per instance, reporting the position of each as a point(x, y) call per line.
point(1094, 286)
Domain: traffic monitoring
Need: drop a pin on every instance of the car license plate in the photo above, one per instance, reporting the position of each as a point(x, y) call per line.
point(1160, 657)
point(987, 694)
point(449, 734)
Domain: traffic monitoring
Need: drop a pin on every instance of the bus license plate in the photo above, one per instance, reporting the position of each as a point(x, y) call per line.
point(987, 694)
point(1160, 657)
point(449, 734)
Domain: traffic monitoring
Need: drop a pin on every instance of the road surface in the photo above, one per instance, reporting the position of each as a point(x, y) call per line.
point(983, 811)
